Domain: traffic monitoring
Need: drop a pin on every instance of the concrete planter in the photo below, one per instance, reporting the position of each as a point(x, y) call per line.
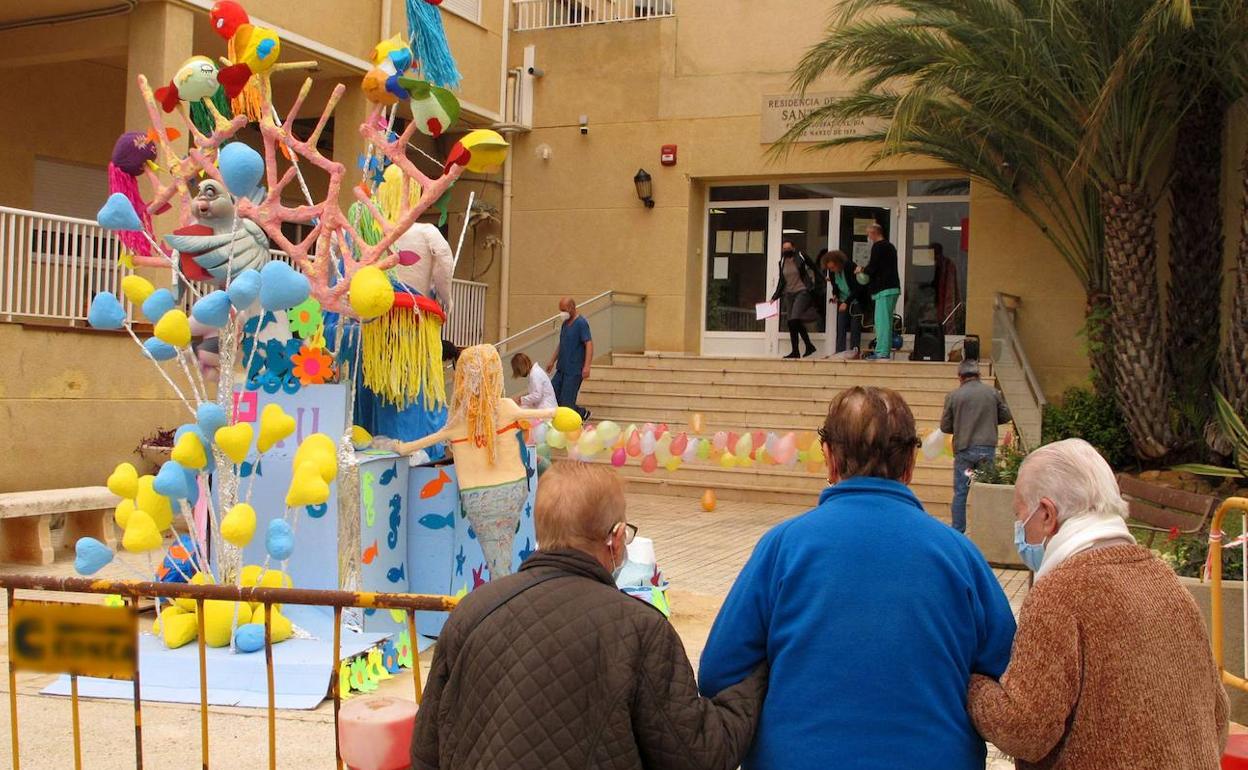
point(1232, 634)
point(990, 523)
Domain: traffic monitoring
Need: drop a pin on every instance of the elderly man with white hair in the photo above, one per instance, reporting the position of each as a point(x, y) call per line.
point(1111, 666)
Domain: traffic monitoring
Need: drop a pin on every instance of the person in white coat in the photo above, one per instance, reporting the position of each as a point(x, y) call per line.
point(541, 393)
point(434, 265)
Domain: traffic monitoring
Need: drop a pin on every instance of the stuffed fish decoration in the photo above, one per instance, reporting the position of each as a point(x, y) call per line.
point(219, 243)
point(256, 48)
point(196, 79)
point(434, 108)
point(133, 152)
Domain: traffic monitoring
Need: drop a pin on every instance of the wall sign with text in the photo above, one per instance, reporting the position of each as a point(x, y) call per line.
point(780, 112)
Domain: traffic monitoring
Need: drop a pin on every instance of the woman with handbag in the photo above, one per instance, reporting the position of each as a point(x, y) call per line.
point(852, 304)
point(795, 291)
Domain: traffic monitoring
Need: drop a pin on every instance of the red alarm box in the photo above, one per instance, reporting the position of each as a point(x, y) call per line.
point(667, 155)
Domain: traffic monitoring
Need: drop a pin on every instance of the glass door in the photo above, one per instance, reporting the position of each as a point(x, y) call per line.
point(737, 278)
point(808, 231)
point(853, 217)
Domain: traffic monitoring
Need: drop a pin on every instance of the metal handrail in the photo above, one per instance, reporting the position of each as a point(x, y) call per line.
point(1011, 335)
point(582, 307)
point(1215, 586)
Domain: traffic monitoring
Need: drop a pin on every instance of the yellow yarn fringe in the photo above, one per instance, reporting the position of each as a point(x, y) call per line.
point(389, 195)
point(250, 101)
point(401, 354)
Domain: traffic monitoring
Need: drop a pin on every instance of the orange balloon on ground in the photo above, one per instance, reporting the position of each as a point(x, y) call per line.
point(708, 500)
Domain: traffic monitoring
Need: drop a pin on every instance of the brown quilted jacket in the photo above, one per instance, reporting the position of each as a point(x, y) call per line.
point(572, 673)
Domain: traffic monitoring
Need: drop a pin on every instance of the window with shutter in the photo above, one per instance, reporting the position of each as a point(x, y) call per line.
point(469, 9)
point(69, 189)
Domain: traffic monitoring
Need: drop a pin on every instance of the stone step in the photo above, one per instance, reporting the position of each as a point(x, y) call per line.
point(811, 365)
point(741, 411)
point(611, 382)
point(809, 379)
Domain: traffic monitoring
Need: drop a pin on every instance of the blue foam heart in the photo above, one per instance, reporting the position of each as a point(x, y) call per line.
point(249, 637)
point(171, 481)
point(192, 488)
point(280, 540)
point(90, 556)
point(106, 311)
point(282, 287)
point(159, 351)
point(118, 213)
point(212, 309)
point(242, 168)
point(244, 289)
point(211, 418)
point(157, 304)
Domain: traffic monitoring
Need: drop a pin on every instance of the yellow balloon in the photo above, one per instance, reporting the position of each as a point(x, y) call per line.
point(487, 150)
point(239, 525)
point(124, 481)
point(726, 460)
point(371, 294)
point(320, 450)
point(174, 328)
point(275, 425)
point(136, 288)
point(672, 463)
point(307, 487)
point(121, 514)
point(235, 440)
point(556, 439)
point(141, 534)
point(566, 420)
point(153, 503)
point(189, 451)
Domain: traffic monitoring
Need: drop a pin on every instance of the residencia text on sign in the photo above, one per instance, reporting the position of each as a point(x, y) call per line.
point(83, 639)
point(780, 112)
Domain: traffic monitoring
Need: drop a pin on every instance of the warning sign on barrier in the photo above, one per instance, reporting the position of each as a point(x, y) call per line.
point(83, 639)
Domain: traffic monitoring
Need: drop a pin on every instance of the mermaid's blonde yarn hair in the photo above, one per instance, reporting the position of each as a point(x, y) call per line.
point(478, 388)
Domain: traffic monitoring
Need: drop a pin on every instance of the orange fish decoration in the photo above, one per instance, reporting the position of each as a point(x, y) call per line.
point(178, 553)
point(370, 553)
point(434, 488)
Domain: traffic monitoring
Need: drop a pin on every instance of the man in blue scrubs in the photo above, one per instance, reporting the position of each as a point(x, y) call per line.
point(572, 358)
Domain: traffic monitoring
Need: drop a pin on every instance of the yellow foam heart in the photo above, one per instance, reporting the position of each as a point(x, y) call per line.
point(239, 525)
point(189, 451)
point(124, 481)
point(141, 534)
point(275, 425)
point(280, 627)
point(136, 288)
point(219, 620)
point(198, 579)
point(307, 487)
point(320, 450)
point(121, 514)
point(272, 578)
point(235, 441)
point(360, 438)
point(566, 420)
point(178, 627)
point(153, 503)
point(174, 328)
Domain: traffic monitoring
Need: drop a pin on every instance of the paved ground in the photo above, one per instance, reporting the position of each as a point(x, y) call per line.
point(700, 553)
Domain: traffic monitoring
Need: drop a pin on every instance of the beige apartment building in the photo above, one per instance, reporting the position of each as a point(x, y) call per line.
point(590, 93)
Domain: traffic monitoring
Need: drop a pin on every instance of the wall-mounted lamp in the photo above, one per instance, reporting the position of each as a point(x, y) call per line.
point(645, 188)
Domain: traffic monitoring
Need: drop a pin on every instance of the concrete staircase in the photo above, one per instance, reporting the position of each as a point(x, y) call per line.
point(741, 394)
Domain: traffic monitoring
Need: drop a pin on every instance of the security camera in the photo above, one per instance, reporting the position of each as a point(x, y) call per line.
point(536, 72)
point(584, 125)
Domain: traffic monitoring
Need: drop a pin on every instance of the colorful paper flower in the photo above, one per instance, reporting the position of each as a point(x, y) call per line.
point(305, 318)
point(312, 366)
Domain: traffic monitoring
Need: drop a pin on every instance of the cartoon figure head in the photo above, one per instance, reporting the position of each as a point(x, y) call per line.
point(212, 203)
point(226, 17)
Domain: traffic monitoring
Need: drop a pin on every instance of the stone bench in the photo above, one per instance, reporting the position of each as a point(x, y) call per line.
point(26, 518)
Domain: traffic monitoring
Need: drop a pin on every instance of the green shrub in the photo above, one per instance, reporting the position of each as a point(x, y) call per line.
point(1004, 470)
point(1186, 554)
point(1094, 418)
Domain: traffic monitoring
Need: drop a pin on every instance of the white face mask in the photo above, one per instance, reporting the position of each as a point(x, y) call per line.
point(564, 315)
point(616, 569)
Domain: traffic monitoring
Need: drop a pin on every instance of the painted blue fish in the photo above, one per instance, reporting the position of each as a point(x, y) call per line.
point(528, 511)
point(396, 507)
point(526, 551)
point(389, 475)
point(434, 521)
point(371, 611)
point(459, 561)
point(472, 535)
point(395, 574)
point(317, 511)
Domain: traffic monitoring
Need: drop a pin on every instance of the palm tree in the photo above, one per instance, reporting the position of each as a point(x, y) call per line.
point(1014, 92)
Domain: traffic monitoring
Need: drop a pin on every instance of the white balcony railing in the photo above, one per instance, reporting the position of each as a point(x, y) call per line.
point(51, 267)
point(549, 14)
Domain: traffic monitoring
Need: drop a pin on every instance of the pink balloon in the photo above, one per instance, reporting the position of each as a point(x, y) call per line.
point(679, 444)
point(660, 430)
point(634, 445)
point(650, 464)
point(720, 440)
point(618, 458)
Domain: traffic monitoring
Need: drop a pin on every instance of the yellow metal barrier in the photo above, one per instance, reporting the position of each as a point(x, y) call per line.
point(1215, 585)
point(133, 590)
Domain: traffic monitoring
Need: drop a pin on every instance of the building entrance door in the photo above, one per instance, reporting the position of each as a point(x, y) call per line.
point(808, 229)
point(853, 217)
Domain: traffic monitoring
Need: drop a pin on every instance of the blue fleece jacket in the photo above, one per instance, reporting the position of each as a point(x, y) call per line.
point(873, 616)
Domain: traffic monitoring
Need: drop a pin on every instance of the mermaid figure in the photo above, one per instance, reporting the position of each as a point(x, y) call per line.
point(481, 431)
